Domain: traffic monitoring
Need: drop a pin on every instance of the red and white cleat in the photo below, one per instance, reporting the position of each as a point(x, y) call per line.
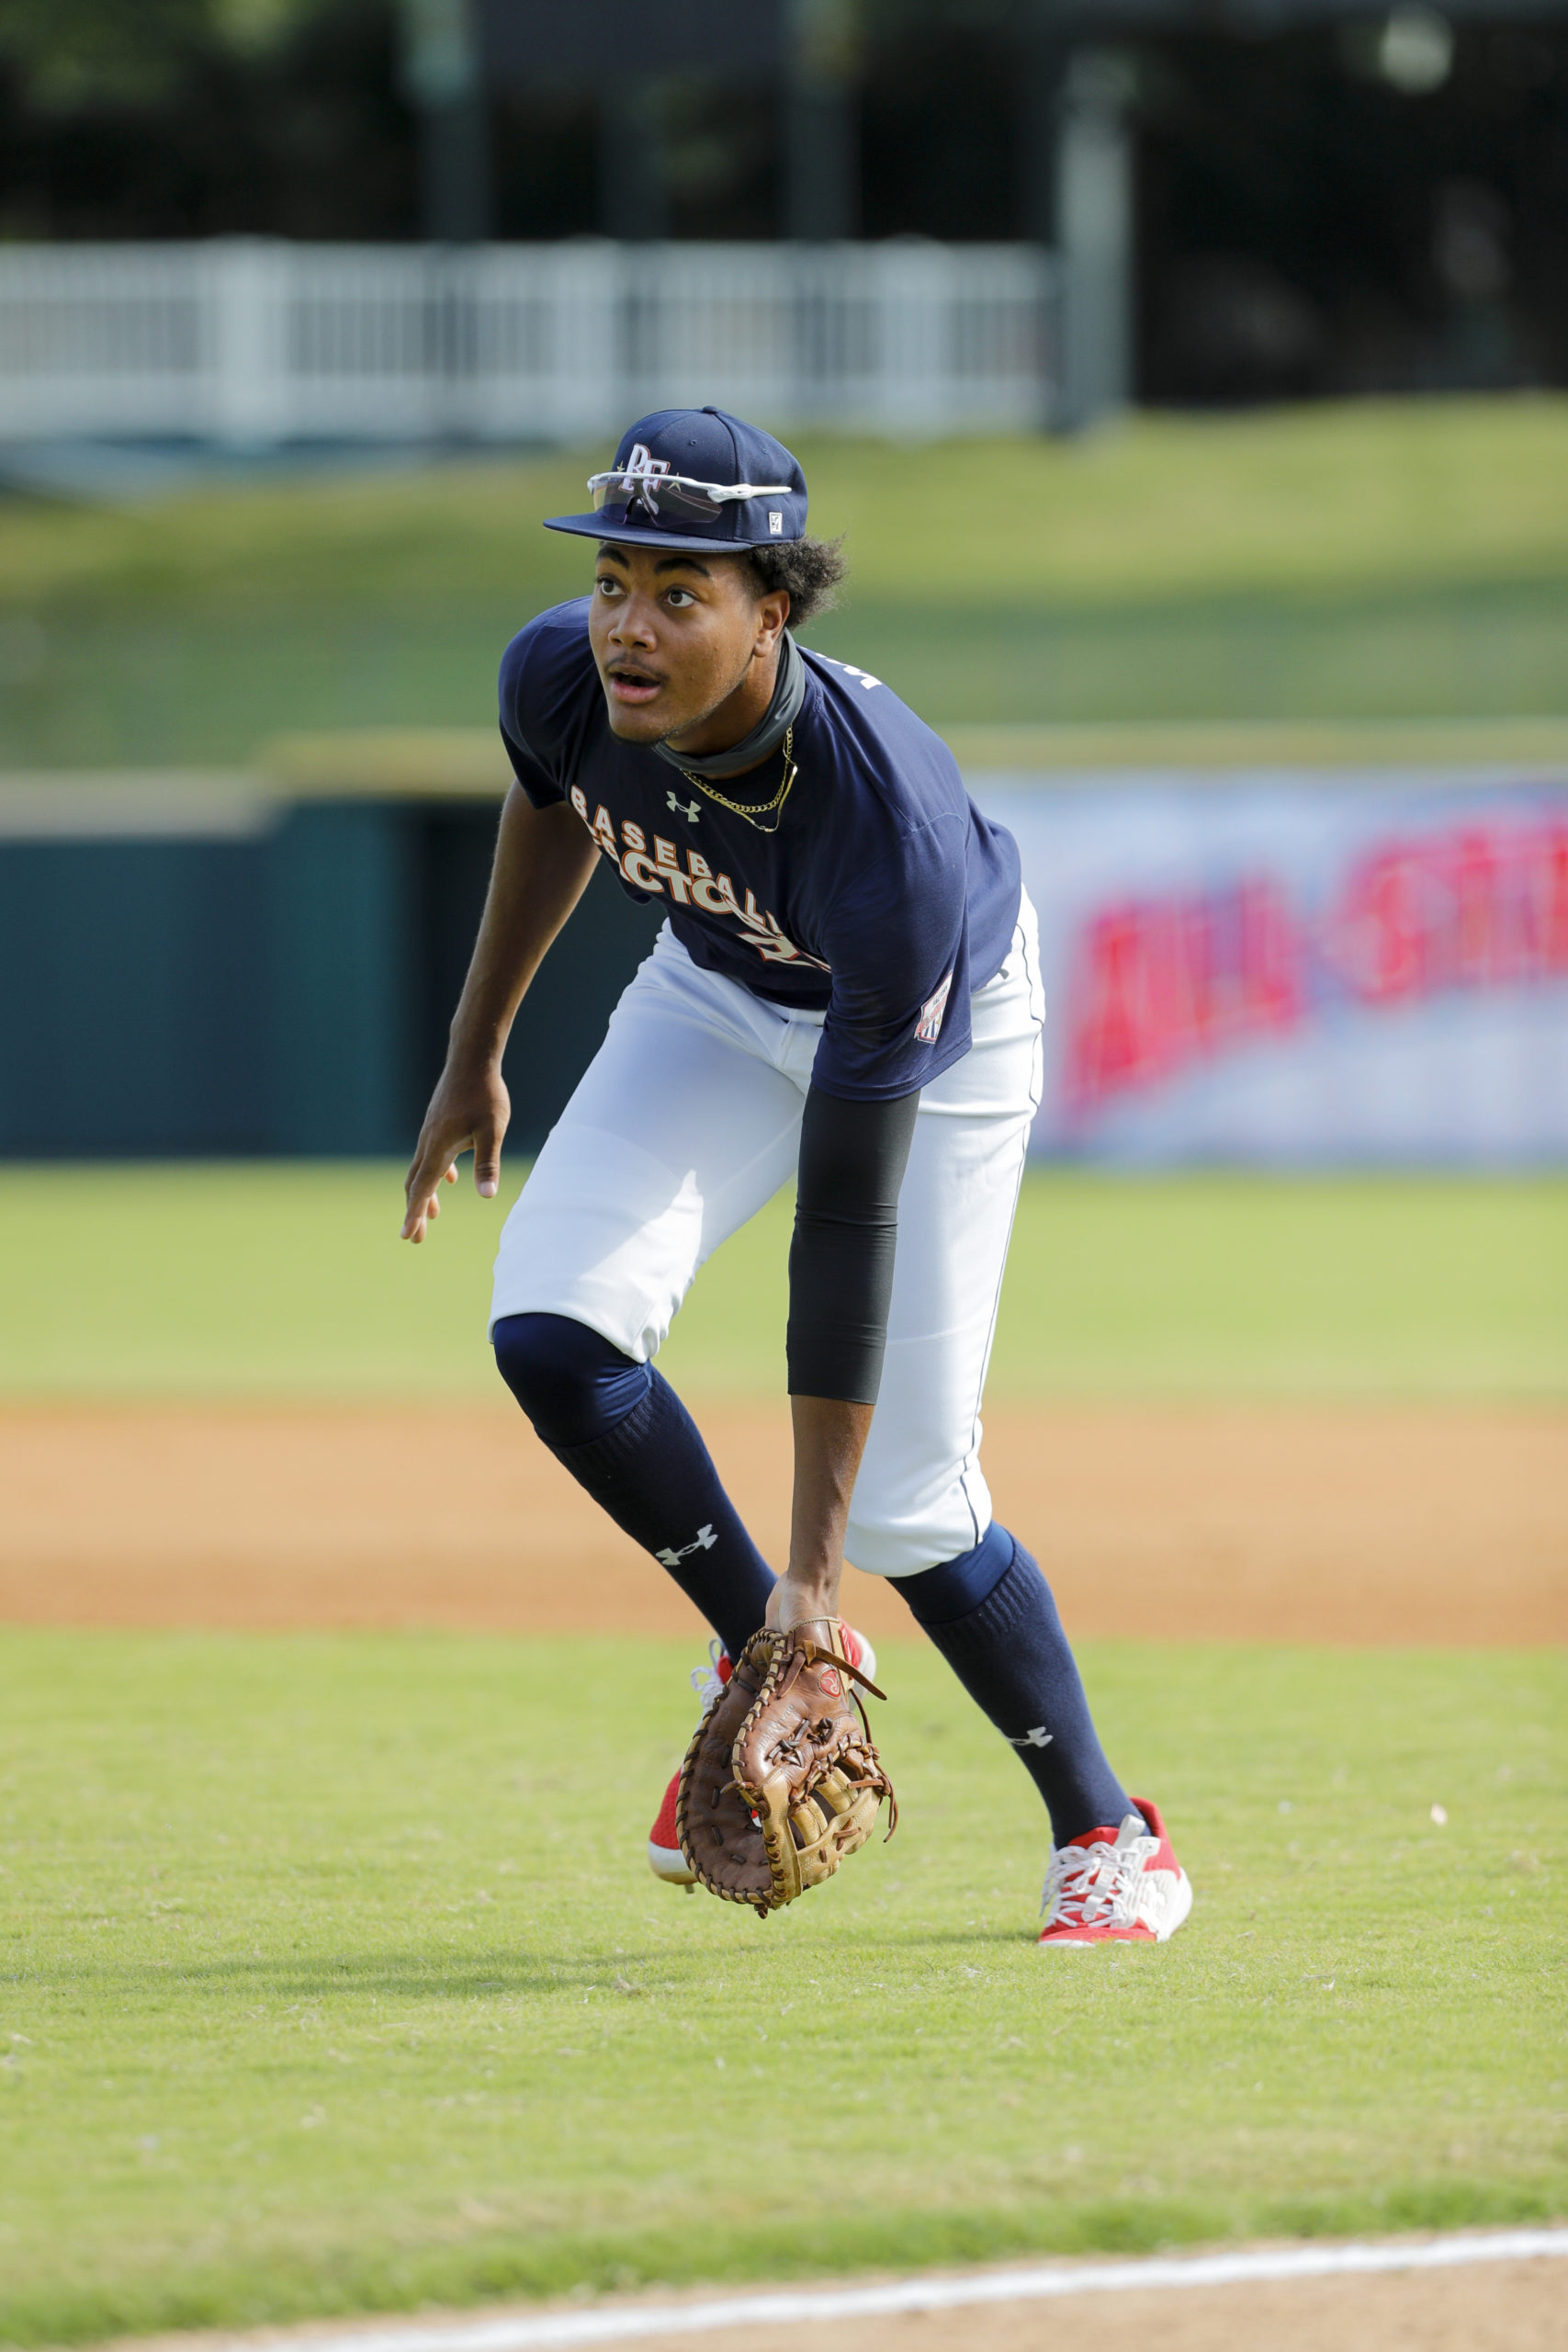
point(665, 1859)
point(1124, 1886)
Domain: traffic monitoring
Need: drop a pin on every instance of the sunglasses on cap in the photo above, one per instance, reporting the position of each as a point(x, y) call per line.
point(648, 485)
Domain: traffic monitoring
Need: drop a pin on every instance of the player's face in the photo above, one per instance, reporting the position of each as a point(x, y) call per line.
point(677, 641)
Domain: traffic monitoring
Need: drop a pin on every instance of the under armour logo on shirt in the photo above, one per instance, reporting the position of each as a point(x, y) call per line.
point(670, 1558)
point(690, 809)
point(1038, 1738)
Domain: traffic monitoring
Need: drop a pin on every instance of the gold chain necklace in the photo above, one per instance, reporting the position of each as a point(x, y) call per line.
point(757, 809)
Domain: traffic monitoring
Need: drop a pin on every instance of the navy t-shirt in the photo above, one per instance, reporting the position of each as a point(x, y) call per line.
point(884, 897)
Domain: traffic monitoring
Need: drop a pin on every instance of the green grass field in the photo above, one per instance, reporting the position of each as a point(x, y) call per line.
point(331, 1975)
point(290, 1279)
point(332, 1978)
point(1361, 559)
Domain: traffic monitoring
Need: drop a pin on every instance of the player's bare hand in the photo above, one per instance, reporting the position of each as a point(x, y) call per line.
point(469, 1112)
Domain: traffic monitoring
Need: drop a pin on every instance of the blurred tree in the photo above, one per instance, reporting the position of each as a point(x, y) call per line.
point(203, 117)
point(1369, 204)
point(1314, 222)
point(945, 119)
point(71, 53)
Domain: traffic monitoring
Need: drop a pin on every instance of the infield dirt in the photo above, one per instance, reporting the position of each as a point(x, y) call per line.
point(1502, 2307)
point(1370, 1525)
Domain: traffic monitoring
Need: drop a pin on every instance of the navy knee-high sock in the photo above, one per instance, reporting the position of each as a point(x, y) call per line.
point(991, 1615)
point(627, 1440)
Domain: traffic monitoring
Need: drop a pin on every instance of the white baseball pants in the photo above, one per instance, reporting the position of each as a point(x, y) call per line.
point(688, 1120)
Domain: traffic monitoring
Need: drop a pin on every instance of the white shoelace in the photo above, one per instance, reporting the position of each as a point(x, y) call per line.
point(1098, 1885)
point(705, 1680)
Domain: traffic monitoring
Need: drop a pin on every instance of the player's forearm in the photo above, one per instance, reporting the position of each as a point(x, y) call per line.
point(829, 1438)
point(543, 861)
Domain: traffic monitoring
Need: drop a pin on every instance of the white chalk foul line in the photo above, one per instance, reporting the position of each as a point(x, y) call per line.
point(519, 2333)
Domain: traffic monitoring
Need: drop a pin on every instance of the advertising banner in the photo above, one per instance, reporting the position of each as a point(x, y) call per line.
point(1299, 969)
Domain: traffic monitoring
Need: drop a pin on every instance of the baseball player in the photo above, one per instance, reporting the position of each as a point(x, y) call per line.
point(845, 991)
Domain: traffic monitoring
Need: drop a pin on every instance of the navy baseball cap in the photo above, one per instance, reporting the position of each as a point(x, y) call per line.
point(694, 479)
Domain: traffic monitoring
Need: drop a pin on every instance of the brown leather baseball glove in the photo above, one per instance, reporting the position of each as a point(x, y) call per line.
point(781, 1780)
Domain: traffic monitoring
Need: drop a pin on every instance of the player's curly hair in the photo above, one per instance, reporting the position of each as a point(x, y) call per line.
point(811, 570)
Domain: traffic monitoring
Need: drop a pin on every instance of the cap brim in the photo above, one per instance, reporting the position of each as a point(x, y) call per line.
point(631, 535)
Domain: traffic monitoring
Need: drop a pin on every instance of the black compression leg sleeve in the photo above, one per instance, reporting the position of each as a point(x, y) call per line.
point(628, 1440)
point(1011, 1656)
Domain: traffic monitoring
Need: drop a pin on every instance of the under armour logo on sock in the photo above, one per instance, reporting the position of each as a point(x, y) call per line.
point(1038, 1738)
point(690, 809)
point(705, 1541)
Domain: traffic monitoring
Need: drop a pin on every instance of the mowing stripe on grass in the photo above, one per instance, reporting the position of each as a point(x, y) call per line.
point(1263, 2264)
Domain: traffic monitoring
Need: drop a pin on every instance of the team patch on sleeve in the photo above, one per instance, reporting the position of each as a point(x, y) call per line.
point(928, 1028)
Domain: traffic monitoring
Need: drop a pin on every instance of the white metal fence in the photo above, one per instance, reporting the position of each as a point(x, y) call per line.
point(253, 341)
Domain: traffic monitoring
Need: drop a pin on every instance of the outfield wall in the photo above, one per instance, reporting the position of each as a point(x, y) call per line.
point(215, 972)
point(1298, 968)
point(1264, 967)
